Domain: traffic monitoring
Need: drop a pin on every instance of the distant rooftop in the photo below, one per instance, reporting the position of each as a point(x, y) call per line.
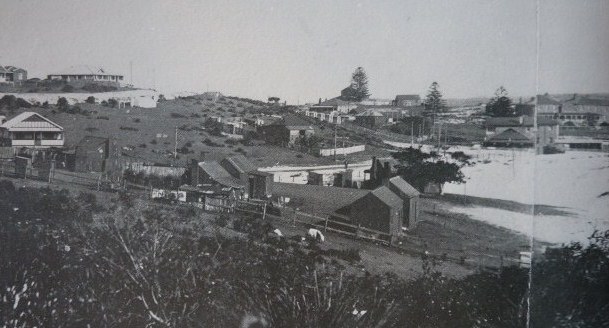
point(522, 121)
point(84, 70)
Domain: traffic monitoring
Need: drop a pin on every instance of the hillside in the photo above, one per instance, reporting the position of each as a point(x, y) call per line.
point(150, 134)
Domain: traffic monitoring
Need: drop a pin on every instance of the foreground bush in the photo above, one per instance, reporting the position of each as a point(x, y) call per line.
point(66, 262)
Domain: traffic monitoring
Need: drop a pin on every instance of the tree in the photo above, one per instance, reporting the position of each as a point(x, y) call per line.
point(420, 168)
point(308, 143)
point(62, 103)
point(90, 100)
point(358, 90)
point(112, 102)
point(501, 104)
point(274, 99)
point(433, 101)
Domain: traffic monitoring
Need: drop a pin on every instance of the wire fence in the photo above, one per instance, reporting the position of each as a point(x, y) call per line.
point(312, 221)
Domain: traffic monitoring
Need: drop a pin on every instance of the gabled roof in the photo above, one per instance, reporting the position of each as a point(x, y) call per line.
point(318, 199)
point(400, 184)
point(292, 121)
point(511, 135)
point(91, 143)
point(240, 163)
point(388, 197)
point(399, 98)
point(31, 121)
point(219, 174)
point(10, 69)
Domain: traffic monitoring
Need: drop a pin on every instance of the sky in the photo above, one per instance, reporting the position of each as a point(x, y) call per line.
point(301, 51)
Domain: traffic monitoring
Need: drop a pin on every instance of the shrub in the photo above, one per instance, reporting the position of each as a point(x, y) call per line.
point(90, 100)
point(176, 115)
point(11, 102)
point(129, 128)
point(62, 103)
point(222, 220)
point(95, 87)
point(67, 88)
point(113, 103)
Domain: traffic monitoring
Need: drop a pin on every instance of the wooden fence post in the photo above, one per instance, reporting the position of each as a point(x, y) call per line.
point(326, 225)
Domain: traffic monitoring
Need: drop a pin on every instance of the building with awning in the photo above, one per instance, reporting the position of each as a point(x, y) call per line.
point(31, 130)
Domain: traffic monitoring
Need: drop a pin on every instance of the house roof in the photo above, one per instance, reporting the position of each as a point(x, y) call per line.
point(522, 121)
point(240, 163)
point(545, 100)
point(511, 135)
point(31, 121)
point(404, 186)
point(388, 197)
point(399, 98)
point(318, 199)
point(370, 112)
point(84, 70)
point(586, 101)
point(336, 102)
point(292, 121)
point(91, 143)
point(10, 69)
point(219, 174)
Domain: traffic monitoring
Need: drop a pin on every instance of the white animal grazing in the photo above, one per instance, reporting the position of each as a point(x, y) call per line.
point(316, 234)
point(278, 232)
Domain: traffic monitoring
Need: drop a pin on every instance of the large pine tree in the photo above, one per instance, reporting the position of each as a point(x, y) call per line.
point(501, 104)
point(434, 102)
point(359, 85)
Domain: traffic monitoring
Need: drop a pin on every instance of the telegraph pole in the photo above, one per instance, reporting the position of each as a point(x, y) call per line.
point(412, 134)
point(175, 148)
point(335, 132)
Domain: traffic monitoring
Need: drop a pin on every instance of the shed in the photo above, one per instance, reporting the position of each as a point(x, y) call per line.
point(410, 200)
point(91, 154)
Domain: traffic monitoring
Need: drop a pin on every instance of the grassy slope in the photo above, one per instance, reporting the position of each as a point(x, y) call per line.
point(141, 127)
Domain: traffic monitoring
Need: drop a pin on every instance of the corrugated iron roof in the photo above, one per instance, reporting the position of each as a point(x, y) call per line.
point(388, 197)
point(242, 164)
point(511, 135)
point(31, 121)
point(219, 174)
point(404, 186)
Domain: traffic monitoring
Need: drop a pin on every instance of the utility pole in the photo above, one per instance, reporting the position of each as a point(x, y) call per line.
point(439, 134)
point(175, 148)
point(335, 132)
point(131, 72)
point(412, 134)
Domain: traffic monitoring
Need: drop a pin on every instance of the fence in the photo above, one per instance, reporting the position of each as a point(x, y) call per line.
point(342, 151)
point(157, 170)
point(323, 224)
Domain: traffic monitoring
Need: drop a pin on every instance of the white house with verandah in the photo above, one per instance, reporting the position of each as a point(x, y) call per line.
point(85, 73)
point(31, 130)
